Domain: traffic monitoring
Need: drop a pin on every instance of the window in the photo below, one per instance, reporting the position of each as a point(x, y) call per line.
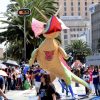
point(71, 35)
point(74, 35)
point(78, 13)
point(64, 3)
point(65, 14)
point(78, 3)
point(65, 30)
point(65, 36)
point(72, 14)
point(74, 29)
point(85, 13)
point(77, 29)
point(80, 29)
point(85, 8)
point(71, 3)
point(85, 3)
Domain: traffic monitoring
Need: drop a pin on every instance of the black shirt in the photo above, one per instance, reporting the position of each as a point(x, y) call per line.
point(96, 79)
point(46, 92)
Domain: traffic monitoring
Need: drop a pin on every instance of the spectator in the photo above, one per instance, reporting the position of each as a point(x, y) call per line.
point(2, 88)
point(37, 76)
point(96, 80)
point(64, 86)
point(26, 84)
point(86, 77)
point(9, 79)
point(47, 90)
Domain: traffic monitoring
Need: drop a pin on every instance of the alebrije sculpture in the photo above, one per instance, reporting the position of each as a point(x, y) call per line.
point(51, 56)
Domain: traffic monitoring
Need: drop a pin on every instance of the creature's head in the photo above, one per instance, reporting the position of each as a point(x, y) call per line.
point(49, 30)
point(52, 28)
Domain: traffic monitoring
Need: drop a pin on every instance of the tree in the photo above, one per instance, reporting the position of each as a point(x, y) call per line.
point(79, 50)
point(15, 29)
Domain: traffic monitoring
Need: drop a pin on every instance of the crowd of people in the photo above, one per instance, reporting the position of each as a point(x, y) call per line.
point(91, 75)
point(25, 77)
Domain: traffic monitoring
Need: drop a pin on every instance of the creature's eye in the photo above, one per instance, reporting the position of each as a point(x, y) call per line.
point(45, 25)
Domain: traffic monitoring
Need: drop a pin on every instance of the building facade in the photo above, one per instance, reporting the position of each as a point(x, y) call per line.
point(76, 7)
point(79, 29)
point(95, 22)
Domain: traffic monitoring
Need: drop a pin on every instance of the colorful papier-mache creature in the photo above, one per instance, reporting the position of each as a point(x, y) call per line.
point(51, 56)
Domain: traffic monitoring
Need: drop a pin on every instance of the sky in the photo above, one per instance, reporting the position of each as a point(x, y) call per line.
point(3, 7)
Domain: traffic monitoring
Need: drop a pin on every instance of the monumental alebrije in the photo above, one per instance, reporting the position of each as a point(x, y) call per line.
point(51, 56)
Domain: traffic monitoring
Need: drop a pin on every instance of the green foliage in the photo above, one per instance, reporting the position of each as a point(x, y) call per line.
point(15, 29)
point(79, 49)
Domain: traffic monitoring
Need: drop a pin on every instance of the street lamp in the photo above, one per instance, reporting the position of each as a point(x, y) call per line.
point(6, 45)
point(24, 12)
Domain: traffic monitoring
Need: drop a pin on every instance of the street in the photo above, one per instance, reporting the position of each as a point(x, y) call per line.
point(31, 94)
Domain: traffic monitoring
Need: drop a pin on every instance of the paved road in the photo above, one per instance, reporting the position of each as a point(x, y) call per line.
point(31, 94)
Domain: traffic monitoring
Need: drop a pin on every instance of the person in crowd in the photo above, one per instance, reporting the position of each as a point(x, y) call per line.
point(77, 72)
point(2, 89)
point(6, 83)
point(9, 79)
point(26, 83)
point(28, 76)
point(90, 70)
point(18, 77)
point(96, 80)
point(86, 77)
point(31, 76)
point(13, 79)
point(82, 71)
point(37, 78)
point(47, 90)
point(64, 86)
point(13, 87)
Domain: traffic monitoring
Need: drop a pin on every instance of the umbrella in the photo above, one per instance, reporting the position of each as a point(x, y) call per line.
point(3, 73)
point(2, 66)
point(11, 63)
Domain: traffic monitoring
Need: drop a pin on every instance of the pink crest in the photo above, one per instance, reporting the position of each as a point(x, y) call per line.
point(37, 27)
